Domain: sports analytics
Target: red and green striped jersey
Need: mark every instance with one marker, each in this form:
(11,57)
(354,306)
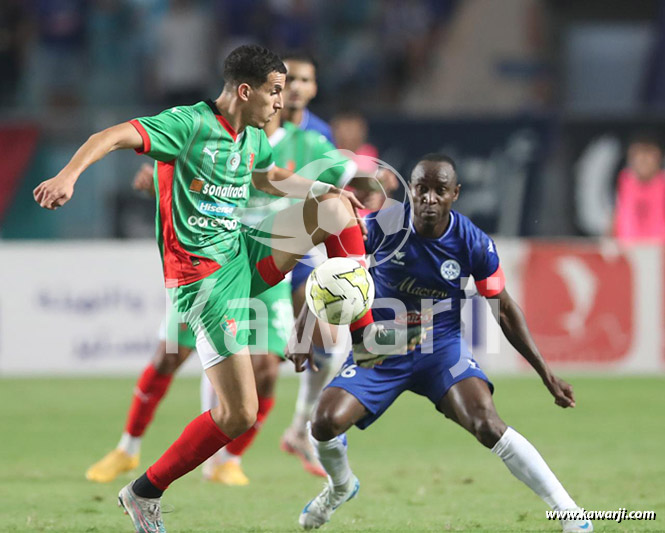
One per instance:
(309,154)
(202,177)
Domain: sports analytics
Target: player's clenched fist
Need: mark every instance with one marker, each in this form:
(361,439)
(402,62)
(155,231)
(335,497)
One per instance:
(562,391)
(53,193)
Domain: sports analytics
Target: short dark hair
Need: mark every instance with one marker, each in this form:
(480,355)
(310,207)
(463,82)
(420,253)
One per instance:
(300,55)
(438,157)
(251,63)
(646,136)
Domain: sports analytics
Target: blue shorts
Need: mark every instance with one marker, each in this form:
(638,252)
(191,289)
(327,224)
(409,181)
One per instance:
(300,273)
(429,375)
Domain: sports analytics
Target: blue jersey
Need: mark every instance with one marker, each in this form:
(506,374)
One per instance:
(431,269)
(311,122)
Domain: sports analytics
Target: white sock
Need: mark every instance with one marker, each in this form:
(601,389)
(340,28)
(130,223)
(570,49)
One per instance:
(527,465)
(333,458)
(224,456)
(312,383)
(130,445)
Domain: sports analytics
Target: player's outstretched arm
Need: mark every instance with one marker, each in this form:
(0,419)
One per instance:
(514,327)
(57,191)
(281,182)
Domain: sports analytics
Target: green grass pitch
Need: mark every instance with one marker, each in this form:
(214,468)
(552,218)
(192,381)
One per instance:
(418,471)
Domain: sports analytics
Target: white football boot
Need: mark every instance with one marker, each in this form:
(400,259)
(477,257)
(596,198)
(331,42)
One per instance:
(146,513)
(576,525)
(319,510)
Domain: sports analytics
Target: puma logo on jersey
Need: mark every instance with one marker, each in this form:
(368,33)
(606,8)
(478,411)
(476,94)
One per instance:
(212,155)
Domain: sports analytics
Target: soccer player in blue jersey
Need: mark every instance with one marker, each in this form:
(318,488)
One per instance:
(301,81)
(442,248)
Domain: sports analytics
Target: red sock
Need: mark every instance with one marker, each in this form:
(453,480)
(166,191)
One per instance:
(149,391)
(363,321)
(241,443)
(350,243)
(200,440)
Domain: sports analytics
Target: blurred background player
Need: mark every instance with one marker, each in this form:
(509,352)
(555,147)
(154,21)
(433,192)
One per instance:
(293,149)
(351,133)
(443,249)
(350,130)
(640,201)
(301,80)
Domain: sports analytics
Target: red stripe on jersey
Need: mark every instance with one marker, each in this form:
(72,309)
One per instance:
(492,285)
(268,270)
(144,135)
(225,124)
(177,261)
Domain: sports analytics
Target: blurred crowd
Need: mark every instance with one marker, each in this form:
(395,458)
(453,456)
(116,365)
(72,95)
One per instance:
(523,93)
(116,52)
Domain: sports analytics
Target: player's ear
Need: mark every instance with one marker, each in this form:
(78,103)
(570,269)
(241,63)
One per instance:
(457,189)
(243,91)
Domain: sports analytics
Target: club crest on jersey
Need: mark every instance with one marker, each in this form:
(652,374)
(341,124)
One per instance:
(450,269)
(233,162)
(229,326)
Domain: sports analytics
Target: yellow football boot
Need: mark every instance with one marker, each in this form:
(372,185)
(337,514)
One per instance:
(111,466)
(229,473)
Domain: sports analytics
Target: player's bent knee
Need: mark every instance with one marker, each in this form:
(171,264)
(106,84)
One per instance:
(334,213)
(234,420)
(344,201)
(239,421)
(327,423)
(488,429)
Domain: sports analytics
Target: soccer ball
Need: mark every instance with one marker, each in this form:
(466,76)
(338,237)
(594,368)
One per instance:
(339,291)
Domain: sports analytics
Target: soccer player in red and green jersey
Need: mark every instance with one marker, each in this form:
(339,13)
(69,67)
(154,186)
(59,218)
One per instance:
(293,149)
(206,156)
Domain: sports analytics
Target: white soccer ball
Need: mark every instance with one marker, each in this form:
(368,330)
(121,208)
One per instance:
(339,291)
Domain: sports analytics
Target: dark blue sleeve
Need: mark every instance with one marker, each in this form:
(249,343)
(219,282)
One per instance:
(327,133)
(374,234)
(484,257)
(318,124)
